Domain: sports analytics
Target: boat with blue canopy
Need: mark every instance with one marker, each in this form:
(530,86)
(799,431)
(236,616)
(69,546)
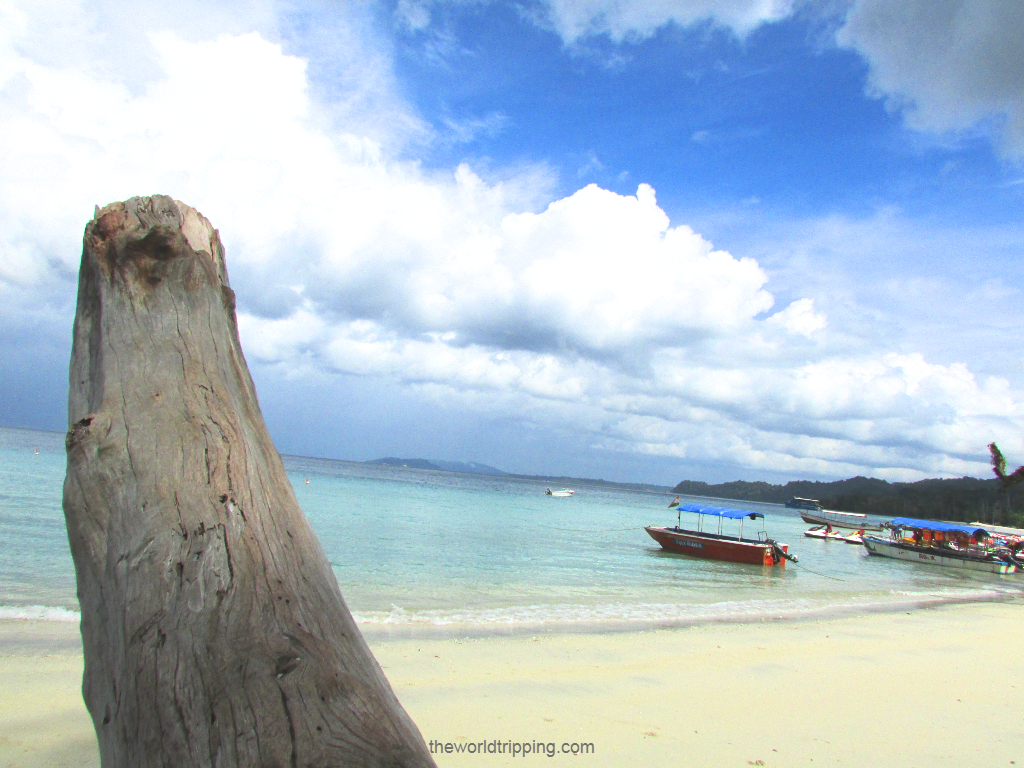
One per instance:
(953,545)
(935,525)
(716,544)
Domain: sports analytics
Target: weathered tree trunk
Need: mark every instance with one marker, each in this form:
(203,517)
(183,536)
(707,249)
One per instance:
(213,628)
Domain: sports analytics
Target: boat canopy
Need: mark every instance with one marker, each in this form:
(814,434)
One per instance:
(734,514)
(931,525)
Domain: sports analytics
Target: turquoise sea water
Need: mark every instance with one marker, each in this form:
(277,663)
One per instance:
(416,551)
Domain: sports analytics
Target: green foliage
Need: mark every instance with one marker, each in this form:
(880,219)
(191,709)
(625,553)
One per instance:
(965,499)
(999,468)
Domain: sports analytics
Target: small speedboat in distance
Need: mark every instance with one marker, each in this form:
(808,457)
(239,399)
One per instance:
(718,546)
(948,544)
(560,494)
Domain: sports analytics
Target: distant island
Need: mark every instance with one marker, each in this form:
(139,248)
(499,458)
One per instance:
(475,468)
(964,499)
(467,467)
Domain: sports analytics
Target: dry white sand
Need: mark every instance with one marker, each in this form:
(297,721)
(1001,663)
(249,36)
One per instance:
(937,687)
(43,721)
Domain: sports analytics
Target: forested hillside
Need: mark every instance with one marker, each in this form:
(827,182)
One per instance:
(964,499)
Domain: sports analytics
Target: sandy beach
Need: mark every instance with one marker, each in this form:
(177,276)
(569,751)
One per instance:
(935,687)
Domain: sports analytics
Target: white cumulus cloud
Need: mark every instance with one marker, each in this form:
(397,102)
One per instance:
(592,313)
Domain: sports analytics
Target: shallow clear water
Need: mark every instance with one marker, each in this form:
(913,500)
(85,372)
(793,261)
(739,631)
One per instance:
(414,549)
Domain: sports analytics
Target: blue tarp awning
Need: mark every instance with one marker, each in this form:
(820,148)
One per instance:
(704,509)
(931,525)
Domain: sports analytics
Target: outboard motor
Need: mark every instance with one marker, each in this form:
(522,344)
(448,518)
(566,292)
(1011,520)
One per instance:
(779,553)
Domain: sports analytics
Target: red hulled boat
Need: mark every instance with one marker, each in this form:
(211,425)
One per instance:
(719,546)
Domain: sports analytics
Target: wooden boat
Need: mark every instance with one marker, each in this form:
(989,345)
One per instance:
(719,546)
(560,494)
(947,544)
(852,520)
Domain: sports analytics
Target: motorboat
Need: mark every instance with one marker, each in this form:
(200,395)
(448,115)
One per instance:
(711,545)
(561,494)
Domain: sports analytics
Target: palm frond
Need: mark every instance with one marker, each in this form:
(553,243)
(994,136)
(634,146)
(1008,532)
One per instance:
(999,468)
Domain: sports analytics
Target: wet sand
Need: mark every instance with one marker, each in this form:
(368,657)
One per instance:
(935,687)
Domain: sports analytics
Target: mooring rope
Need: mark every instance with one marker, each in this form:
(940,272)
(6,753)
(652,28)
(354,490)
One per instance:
(824,575)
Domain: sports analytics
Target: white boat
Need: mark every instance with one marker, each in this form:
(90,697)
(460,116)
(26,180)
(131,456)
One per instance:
(853,520)
(562,493)
(945,544)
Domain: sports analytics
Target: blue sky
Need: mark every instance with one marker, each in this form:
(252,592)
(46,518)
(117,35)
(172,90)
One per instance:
(649,240)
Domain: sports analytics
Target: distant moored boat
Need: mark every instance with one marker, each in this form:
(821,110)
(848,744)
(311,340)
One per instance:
(852,520)
(797,503)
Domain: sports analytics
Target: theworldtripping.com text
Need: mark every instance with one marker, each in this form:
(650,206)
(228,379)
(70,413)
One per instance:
(508,747)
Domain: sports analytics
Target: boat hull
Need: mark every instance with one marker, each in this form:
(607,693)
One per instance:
(707,547)
(930,556)
(822,518)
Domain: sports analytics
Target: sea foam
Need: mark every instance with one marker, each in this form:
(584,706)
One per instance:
(39,613)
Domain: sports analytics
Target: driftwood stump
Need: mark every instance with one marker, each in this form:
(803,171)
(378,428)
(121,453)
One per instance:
(213,628)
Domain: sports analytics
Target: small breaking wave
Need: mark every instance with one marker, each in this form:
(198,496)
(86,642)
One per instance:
(39,613)
(640,615)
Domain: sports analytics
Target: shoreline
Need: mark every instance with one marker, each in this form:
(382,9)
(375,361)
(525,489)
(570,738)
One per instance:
(398,631)
(514,621)
(918,687)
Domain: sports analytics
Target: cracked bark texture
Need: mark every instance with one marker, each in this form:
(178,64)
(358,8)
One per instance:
(213,628)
